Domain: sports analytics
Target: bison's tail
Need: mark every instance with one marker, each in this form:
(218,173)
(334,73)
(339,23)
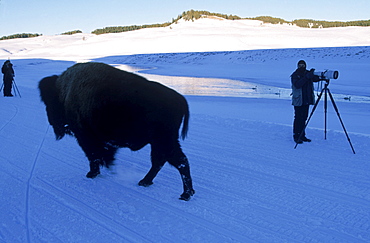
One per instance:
(185,125)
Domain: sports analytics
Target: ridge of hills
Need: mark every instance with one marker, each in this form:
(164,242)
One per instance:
(192,15)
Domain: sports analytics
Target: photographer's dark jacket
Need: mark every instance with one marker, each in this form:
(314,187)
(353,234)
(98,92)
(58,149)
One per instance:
(302,87)
(7,70)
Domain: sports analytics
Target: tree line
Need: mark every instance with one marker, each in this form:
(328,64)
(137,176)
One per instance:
(328,24)
(119,29)
(72,32)
(192,15)
(23,35)
(30,35)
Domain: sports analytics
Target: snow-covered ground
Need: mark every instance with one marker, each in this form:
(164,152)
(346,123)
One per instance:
(251,184)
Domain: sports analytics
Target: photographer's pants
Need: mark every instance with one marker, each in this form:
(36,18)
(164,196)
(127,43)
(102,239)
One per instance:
(8,87)
(300,117)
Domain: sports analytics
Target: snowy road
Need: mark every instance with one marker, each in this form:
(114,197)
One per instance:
(251,185)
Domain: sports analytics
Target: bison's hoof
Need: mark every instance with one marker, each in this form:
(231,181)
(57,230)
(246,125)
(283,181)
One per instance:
(187,195)
(145,183)
(92,174)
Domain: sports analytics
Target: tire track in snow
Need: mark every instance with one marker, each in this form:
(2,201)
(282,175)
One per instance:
(27,220)
(257,229)
(223,232)
(260,172)
(206,221)
(216,229)
(261,228)
(312,217)
(278,187)
(85,209)
(317,203)
(128,235)
(286,182)
(325,204)
(14,115)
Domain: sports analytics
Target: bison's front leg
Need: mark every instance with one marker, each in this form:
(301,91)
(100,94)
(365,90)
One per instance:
(97,153)
(94,168)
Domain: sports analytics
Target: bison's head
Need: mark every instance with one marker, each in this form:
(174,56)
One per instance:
(54,107)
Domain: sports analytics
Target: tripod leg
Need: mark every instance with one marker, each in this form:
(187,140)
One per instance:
(309,118)
(2,86)
(16,89)
(341,122)
(325,111)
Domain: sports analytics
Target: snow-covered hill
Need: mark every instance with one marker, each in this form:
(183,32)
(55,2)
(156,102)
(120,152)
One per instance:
(251,184)
(186,36)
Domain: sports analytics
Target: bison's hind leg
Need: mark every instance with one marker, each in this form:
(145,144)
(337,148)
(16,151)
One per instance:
(182,165)
(171,152)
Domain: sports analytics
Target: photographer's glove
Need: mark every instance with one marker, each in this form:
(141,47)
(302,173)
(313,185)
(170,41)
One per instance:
(310,74)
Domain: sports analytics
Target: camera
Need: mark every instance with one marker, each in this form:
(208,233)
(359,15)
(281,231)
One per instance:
(327,74)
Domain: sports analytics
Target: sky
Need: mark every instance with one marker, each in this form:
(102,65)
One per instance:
(55,17)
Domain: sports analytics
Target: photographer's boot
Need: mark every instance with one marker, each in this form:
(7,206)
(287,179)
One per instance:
(297,139)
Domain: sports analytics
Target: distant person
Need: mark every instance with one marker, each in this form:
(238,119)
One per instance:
(303,97)
(8,78)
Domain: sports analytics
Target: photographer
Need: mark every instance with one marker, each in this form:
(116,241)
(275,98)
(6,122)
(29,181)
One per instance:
(8,78)
(303,96)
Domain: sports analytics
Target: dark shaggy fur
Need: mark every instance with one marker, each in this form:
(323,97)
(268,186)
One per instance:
(106,108)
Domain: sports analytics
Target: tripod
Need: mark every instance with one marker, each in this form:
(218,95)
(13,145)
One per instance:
(15,87)
(326,91)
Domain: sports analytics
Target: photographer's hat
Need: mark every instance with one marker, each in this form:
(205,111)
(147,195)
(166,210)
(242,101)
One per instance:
(302,62)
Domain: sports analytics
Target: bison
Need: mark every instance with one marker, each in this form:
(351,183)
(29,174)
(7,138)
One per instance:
(105,109)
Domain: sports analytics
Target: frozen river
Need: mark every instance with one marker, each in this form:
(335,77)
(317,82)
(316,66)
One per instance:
(229,87)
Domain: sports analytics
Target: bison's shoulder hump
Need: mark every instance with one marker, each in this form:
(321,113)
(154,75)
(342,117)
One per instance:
(96,72)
